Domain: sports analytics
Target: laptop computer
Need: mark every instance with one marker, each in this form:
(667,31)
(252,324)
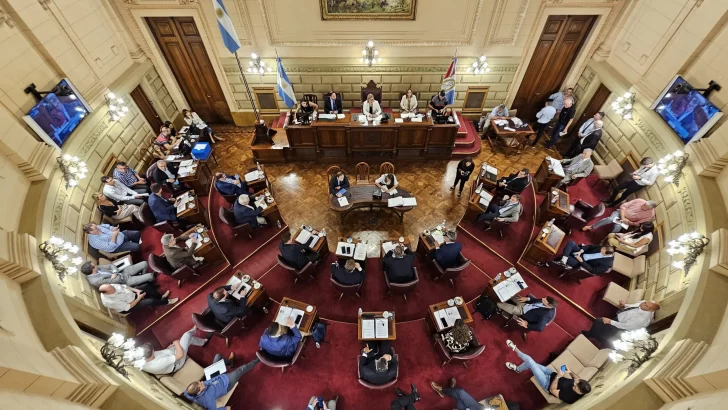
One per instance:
(215,369)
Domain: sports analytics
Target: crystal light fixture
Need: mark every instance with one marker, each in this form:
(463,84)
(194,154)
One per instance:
(634,342)
(671,166)
(118,107)
(118,353)
(479,66)
(256,65)
(691,245)
(63,255)
(623,105)
(73,169)
(370,54)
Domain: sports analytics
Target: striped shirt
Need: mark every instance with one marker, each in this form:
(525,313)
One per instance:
(102,241)
(127,178)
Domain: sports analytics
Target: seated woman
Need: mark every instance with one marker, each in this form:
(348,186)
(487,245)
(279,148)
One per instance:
(191,118)
(408,105)
(371,107)
(635,242)
(387,182)
(458,338)
(305,110)
(338,182)
(113,210)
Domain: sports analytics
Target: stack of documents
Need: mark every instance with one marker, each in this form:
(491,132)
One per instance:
(509,287)
(360,253)
(450,315)
(398,120)
(189,244)
(345,249)
(437,236)
(261,204)
(187,163)
(388,246)
(285,312)
(252,176)
(173,157)
(340,116)
(374,328)
(399,201)
(343,201)
(416,119)
(556,167)
(303,236)
(485,198)
(327,116)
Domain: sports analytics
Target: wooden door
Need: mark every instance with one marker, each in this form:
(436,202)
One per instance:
(147,109)
(593,106)
(557,48)
(182,47)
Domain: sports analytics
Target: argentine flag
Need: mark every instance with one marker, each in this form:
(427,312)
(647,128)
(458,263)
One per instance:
(229,37)
(285,90)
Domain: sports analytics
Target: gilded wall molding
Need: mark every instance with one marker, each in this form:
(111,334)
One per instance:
(230,69)
(57,216)
(469,41)
(97,132)
(5,19)
(496,20)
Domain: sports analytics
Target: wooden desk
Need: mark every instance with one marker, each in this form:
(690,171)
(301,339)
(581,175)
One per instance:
(497,133)
(489,287)
(257,298)
(474,208)
(544,179)
(206,250)
(308,317)
(193,212)
(546,245)
(271,213)
(431,320)
(321,244)
(199,181)
(553,206)
(424,246)
(392,331)
(395,241)
(495,403)
(360,196)
(262,183)
(488,184)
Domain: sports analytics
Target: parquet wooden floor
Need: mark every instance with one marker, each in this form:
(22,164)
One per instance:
(301,190)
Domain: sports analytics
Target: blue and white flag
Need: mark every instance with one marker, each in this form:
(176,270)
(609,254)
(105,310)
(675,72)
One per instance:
(229,37)
(448,83)
(285,89)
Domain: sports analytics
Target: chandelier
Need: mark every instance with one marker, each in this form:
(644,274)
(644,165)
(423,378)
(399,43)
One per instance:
(117,106)
(691,245)
(370,54)
(256,65)
(118,353)
(634,342)
(479,66)
(671,166)
(62,255)
(73,169)
(624,105)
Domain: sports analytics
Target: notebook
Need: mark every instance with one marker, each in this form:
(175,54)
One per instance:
(215,369)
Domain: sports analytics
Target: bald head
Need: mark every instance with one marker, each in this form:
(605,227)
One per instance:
(650,306)
(243,199)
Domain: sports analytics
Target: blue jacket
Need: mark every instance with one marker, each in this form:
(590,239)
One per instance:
(163,209)
(244,214)
(283,346)
(214,388)
(538,318)
(226,188)
(447,255)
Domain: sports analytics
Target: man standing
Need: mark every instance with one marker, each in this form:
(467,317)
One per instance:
(107,238)
(462,173)
(172,358)
(593,258)
(631,316)
(532,313)
(588,136)
(500,111)
(132,275)
(398,265)
(645,175)
(543,118)
(632,213)
(120,192)
(559,98)
(129,177)
(224,306)
(332,105)
(563,122)
(206,393)
(578,167)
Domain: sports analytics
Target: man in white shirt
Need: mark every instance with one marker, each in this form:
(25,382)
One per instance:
(631,316)
(543,118)
(645,175)
(171,359)
(500,111)
(122,298)
(121,193)
(387,183)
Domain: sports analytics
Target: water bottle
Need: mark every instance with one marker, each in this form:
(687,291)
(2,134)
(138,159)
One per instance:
(258,165)
(323,232)
(479,188)
(555,198)
(360,311)
(443,225)
(279,224)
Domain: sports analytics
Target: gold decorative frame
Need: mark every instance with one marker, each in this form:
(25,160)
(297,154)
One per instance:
(326,15)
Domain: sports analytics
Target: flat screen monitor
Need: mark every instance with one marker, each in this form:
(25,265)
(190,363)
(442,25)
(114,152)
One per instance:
(685,110)
(58,114)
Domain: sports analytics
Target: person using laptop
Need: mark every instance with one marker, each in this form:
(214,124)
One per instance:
(172,358)
(206,393)
(224,306)
(281,340)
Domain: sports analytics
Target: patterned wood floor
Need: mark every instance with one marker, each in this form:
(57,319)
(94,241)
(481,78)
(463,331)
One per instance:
(301,190)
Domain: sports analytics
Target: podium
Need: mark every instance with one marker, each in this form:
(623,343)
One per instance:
(474,208)
(544,179)
(553,206)
(546,245)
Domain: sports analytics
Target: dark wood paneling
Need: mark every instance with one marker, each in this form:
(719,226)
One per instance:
(372,139)
(184,51)
(146,107)
(332,137)
(301,136)
(412,137)
(442,136)
(557,48)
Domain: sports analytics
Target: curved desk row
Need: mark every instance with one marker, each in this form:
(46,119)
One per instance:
(360,196)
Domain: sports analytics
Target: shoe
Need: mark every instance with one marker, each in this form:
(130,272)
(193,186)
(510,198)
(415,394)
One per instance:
(511,345)
(512,367)
(172,301)
(399,392)
(452,382)
(415,392)
(460,194)
(452,188)
(543,264)
(437,388)
(165,295)
(230,360)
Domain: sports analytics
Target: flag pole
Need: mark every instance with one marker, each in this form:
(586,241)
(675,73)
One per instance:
(247,88)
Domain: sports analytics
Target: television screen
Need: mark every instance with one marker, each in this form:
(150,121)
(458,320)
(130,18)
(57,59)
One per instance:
(58,113)
(685,110)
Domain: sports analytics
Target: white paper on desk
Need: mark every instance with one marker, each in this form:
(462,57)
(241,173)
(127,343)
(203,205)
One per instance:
(234,281)
(241,290)
(382,328)
(303,236)
(360,252)
(393,191)
(392,202)
(181,207)
(485,198)
(508,129)
(409,201)
(252,176)
(453,314)
(416,119)
(261,204)
(327,116)
(509,287)
(187,163)
(172,157)
(343,201)
(341,246)
(398,120)
(340,116)
(556,167)
(189,244)
(491,170)
(367,329)
(285,312)
(407,115)
(388,246)
(314,241)
(438,237)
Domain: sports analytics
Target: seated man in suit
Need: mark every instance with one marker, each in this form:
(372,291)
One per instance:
(165,209)
(224,305)
(588,136)
(515,182)
(376,364)
(166,176)
(132,275)
(295,254)
(230,185)
(630,317)
(278,342)
(398,264)
(337,183)
(578,167)
(107,238)
(177,256)
(506,210)
(446,254)
(332,104)
(595,259)
(531,313)
(172,358)
(349,274)
(246,214)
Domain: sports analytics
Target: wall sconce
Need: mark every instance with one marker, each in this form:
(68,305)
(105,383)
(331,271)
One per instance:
(480,66)
(671,166)
(61,254)
(633,342)
(73,169)
(117,106)
(691,245)
(118,353)
(624,105)
(256,65)
(370,54)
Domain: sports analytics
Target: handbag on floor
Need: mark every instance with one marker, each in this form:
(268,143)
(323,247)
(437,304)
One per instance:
(486,307)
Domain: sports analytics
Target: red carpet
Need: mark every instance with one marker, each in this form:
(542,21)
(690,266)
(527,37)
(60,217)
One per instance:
(468,140)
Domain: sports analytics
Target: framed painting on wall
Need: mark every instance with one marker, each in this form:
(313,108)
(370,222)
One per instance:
(368,9)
